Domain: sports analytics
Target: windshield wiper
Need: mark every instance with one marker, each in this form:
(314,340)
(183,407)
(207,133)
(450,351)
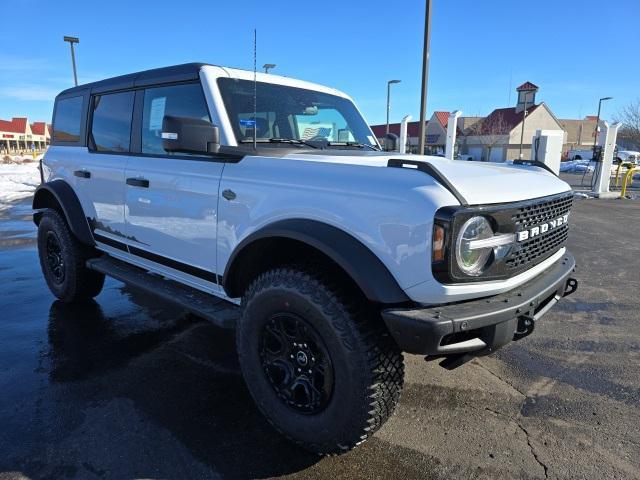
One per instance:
(352,144)
(292,141)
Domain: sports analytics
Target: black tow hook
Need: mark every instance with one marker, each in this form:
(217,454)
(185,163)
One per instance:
(526,325)
(570,287)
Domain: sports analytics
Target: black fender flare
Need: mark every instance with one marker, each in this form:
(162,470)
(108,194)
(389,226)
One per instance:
(357,260)
(71,207)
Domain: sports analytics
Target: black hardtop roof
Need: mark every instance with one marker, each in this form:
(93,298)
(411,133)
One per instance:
(174,73)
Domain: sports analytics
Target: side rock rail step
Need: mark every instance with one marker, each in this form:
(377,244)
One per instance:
(220,312)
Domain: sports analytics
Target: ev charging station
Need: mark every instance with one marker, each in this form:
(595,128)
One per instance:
(452,129)
(602,174)
(546,147)
(402,147)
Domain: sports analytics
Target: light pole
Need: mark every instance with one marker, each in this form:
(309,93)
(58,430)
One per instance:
(389,83)
(524,117)
(595,135)
(267,66)
(71,41)
(425,75)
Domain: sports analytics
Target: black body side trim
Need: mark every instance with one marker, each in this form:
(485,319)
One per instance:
(432,171)
(70,205)
(360,263)
(154,257)
(111,242)
(176,265)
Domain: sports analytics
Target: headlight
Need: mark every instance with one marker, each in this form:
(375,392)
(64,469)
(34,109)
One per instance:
(471,256)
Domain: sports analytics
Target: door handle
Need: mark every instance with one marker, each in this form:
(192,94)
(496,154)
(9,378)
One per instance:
(138,182)
(229,194)
(82,174)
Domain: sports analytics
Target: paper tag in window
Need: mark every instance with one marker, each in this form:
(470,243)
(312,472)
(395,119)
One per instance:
(169,135)
(157,113)
(372,140)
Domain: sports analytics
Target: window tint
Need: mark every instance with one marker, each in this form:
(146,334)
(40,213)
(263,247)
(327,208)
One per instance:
(178,100)
(111,125)
(66,124)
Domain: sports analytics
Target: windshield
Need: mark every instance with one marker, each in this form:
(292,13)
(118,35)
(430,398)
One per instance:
(304,116)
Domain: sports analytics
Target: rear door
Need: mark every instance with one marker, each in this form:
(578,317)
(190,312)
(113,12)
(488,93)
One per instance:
(172,199)
(100,173)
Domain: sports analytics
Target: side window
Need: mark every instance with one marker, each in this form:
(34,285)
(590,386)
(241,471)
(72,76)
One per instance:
(178,100)
(111,124)
(66,124)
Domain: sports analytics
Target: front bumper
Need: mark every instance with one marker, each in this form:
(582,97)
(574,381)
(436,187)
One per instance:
(479,327)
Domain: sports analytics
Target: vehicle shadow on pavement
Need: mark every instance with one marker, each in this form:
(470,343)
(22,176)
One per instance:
(181,377)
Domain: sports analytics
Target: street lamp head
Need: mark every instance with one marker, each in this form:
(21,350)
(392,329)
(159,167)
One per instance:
(606,98)
(267,66)
(394,81)
(72,39)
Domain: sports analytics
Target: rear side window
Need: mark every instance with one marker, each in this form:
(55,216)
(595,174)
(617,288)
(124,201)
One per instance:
(111,122)
(66,123)
(179,100)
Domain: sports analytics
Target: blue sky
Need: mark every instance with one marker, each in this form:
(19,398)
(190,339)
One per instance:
(575,50)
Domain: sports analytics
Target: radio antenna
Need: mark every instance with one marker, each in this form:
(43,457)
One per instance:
(255,88)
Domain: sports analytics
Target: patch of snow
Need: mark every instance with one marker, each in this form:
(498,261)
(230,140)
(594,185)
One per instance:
(17,181)
(577,166)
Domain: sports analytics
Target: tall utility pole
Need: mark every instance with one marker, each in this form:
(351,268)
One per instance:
(524,117)
(389,83)
(71,41)
(425,75)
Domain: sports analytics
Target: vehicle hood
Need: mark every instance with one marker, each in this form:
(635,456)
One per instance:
(477,182)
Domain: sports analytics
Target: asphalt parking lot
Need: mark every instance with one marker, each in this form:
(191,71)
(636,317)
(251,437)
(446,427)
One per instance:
(129,387)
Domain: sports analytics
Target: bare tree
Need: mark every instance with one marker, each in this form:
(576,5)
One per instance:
(629,116)
(489,132)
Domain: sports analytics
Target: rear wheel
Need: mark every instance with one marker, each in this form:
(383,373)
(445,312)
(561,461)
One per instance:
(322,370)
(63,258)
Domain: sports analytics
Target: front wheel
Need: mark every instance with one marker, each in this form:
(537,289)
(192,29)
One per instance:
(321,368)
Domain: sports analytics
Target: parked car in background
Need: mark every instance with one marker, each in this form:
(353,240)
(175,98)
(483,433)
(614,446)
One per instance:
(627,156)
(464,156)
(580,154)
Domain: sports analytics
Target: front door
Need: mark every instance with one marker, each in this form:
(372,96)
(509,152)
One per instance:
(172,199)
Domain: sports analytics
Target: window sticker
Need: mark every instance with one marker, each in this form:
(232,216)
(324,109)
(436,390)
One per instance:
(245,122)
(372,140)
(157,113)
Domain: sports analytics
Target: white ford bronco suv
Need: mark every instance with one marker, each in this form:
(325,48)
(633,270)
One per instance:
(266,205)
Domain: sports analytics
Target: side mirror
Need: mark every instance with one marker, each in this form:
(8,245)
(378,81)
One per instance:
(391,142)
(189,135)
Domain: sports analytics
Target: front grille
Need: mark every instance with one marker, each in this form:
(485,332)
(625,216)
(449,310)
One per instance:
(537,248)
(537,213)
(533,251)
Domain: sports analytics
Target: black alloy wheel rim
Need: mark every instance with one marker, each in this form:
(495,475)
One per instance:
(55,262)
(296,363)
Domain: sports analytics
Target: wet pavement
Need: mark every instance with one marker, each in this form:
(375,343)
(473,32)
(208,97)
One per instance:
(130,387)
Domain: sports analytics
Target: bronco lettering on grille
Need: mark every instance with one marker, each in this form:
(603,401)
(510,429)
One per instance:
(543,228)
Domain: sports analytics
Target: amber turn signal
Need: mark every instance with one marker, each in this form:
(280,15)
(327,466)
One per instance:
(438,243)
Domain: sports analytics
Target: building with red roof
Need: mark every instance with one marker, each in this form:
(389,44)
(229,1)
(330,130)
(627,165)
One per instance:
(497,137)
(19,136)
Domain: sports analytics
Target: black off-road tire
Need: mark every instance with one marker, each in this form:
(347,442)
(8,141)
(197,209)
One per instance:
(368,368)
(65,272)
